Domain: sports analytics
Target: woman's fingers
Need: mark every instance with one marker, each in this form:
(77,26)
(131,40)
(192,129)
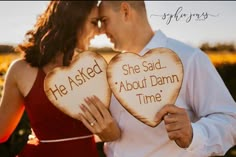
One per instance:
(103,125)
(87,115)
(94,111)
(86,123)
(100,106)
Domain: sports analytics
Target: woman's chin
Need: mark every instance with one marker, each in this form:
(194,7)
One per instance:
(84,48)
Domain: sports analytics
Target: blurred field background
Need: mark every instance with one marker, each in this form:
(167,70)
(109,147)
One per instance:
(223,56)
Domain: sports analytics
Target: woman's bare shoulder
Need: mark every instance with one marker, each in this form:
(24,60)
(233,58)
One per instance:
(23,74)
(20,65)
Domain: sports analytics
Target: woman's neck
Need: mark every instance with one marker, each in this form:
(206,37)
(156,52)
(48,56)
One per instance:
(56,62)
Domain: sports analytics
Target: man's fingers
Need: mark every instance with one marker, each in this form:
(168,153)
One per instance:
(170,118)
(180,138)
(174,135)
(167,110)
(173,127)
(162,112)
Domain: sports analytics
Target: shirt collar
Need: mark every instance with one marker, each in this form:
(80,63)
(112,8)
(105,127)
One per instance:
(158,40)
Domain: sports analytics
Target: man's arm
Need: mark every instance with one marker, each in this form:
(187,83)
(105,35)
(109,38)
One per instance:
(214,132)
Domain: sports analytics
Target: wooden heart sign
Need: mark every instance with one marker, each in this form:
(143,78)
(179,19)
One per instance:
(144,84)
(67,87)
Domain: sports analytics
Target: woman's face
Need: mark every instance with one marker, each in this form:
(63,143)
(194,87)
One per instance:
(90,30)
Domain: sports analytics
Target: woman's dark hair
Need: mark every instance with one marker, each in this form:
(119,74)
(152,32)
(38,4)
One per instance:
(56,32)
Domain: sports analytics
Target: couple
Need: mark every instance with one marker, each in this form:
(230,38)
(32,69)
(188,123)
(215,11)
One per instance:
(201,123)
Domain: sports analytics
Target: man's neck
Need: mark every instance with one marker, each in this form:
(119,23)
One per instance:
(141,39)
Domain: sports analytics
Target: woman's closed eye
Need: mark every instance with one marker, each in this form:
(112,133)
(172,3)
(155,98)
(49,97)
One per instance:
(95,23)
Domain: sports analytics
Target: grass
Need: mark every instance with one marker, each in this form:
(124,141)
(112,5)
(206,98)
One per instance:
(5,61)
(223,57)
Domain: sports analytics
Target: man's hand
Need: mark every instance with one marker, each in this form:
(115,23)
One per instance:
(177,123)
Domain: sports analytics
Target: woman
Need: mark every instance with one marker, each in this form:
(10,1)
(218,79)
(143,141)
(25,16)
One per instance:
(63,27)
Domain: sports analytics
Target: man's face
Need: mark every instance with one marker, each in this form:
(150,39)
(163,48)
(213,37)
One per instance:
(113,25)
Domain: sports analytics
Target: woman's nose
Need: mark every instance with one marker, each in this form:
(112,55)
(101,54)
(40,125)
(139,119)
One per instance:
(101,28)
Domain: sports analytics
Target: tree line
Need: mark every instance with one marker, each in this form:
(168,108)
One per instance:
(229,47)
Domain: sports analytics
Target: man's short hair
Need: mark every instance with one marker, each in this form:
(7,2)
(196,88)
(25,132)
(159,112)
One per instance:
(139,6)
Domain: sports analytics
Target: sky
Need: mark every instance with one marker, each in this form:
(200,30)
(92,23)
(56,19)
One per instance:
(193,22)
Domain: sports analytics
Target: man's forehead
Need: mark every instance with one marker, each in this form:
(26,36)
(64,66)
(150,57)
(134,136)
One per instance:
(104,4)
(104,9)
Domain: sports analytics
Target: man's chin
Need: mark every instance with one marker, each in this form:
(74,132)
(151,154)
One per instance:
(116,48)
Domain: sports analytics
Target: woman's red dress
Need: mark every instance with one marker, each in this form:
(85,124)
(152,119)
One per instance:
(49,123)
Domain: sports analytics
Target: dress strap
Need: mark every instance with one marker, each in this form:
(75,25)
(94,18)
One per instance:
(41,71)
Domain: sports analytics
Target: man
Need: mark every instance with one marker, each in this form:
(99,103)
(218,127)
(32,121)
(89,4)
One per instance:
(203,119)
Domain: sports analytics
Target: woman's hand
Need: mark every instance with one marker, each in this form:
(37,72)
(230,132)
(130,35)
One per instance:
(98,120)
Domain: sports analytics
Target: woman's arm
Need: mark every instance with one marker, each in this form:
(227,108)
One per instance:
(11,104)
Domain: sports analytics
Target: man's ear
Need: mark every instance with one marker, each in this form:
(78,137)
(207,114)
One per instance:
(125,10)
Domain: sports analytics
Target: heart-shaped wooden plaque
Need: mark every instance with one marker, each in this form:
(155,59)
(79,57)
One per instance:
(144,84)
(67,87)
